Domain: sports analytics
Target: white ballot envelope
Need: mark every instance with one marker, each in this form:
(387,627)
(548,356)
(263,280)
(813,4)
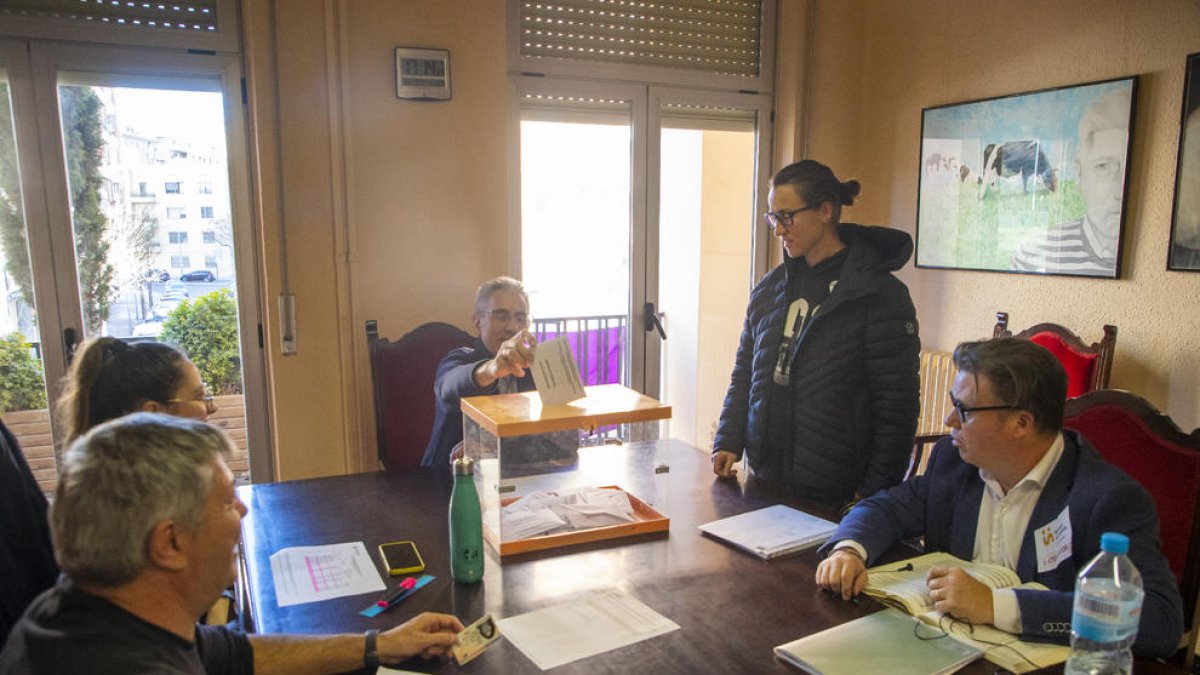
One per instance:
(555,372)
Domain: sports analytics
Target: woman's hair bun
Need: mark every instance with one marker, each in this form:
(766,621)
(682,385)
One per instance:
(850,190)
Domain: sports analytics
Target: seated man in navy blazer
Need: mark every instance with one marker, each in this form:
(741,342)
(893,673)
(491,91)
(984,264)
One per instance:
(1006,478)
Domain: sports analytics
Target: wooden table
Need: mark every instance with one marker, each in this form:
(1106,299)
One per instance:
(732,607)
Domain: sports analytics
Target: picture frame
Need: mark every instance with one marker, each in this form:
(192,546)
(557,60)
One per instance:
(1029,183)
(1183,252)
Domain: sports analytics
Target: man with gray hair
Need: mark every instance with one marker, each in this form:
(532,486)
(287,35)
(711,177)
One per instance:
(498,362)
(1089,246)
(145,524)
(1011,487)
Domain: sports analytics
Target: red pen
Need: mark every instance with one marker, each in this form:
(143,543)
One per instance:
(405,586)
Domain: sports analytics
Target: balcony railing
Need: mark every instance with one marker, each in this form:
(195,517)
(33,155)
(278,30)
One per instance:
(598,343)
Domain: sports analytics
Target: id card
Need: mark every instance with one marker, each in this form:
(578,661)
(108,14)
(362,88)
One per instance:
(474,639)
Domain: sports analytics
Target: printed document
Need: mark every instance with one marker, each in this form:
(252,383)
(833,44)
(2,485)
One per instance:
(555,372)
(771,532)
(311,573)
(591,624)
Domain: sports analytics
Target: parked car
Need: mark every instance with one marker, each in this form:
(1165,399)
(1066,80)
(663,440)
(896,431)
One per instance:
(150,329)
(162,308)
(177,296)
(198,275)
(161,275)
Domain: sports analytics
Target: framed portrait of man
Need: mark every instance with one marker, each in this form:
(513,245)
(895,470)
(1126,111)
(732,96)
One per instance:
(1184,251)
(1031,183)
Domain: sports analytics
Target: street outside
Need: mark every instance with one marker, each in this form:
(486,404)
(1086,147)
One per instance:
(135,307)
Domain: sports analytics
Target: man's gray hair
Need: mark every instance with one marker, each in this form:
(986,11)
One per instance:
(1110,111)
(121,479)
(487,288)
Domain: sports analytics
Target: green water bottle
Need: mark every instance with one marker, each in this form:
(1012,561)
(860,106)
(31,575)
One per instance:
(466,525)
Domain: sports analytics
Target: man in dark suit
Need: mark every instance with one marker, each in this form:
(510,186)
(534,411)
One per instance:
(26,557)
(1010,487)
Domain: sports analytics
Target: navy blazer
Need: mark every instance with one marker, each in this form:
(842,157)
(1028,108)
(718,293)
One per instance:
(943,506)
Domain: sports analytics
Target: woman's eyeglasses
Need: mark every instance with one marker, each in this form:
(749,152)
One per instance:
(210,406)
(784,218)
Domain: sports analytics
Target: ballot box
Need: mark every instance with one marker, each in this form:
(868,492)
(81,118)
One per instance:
(559,475)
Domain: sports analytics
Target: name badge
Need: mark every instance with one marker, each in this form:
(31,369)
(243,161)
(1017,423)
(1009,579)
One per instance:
(1053,541)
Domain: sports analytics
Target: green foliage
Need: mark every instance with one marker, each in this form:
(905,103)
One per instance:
(22,384)
(84,141)
(12,219)
(206,329)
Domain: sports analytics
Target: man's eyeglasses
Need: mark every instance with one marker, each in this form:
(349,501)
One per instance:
(504,316)
(963,410)
(210,406)
(784,218)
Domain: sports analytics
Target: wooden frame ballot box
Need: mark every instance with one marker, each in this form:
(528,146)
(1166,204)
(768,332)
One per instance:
(613,439)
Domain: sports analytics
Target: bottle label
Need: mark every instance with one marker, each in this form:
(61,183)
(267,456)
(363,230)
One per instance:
(1103,620)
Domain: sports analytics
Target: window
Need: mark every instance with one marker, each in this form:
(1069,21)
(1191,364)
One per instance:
(206,212)
(210,261)
(181,261)
(176,213)
(173,188)
(205,187)
(177,237)
(210,237)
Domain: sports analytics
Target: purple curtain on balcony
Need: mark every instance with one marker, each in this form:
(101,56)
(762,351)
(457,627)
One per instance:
(598,350)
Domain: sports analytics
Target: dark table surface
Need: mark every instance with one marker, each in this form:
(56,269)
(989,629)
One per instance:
(732,608)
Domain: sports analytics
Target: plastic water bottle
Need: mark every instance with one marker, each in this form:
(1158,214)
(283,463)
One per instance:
(1108,605)
(466,525)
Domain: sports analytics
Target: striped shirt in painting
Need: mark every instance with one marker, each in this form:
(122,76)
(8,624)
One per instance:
(1062,250)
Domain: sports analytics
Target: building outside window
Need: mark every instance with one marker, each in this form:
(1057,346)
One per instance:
(206,212)
(173,188)
(210,261)
(181,261)
(176,213)
(205,187)
(210,237)
(177,237)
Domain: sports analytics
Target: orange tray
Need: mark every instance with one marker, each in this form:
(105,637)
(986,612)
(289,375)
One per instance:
(648,520)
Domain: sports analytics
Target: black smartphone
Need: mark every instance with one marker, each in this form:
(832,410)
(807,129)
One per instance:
(401,557)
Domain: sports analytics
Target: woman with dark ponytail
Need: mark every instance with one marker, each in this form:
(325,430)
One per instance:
(824,393)
(109,378)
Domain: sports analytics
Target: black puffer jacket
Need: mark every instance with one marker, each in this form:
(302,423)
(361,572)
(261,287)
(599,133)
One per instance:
(854,376)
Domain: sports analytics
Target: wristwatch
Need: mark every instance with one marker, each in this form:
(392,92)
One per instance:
(370,653)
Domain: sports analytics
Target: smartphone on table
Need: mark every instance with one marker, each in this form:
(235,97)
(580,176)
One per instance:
(401,557)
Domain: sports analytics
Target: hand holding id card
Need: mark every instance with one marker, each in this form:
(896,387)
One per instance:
(474,639)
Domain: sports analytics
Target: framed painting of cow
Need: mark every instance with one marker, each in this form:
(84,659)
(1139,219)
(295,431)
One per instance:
(1185,221)
(1030,183)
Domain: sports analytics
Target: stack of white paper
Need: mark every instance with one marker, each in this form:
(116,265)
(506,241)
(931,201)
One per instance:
(773,531)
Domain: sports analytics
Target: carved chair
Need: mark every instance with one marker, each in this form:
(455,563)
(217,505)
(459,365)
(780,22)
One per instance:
(1131,433)
(1088,366)
(403,373)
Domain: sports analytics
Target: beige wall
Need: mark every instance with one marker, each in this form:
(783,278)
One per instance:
(393,210)
(877,63)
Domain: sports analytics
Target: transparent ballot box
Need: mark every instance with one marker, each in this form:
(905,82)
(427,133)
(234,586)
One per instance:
(557,475)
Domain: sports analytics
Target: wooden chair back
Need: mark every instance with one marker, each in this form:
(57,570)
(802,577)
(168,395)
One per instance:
(403,373)
(1131,433)
(1088,366)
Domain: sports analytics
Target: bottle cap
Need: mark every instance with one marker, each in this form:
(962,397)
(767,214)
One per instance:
(463,466)
(1114,542)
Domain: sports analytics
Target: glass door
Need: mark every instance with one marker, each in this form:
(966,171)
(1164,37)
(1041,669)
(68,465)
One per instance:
(638,232)
(579,226)
(142,195)
(713,158)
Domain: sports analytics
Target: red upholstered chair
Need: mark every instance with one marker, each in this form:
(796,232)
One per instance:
(1129,432)
(403,374)
(1088,366)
